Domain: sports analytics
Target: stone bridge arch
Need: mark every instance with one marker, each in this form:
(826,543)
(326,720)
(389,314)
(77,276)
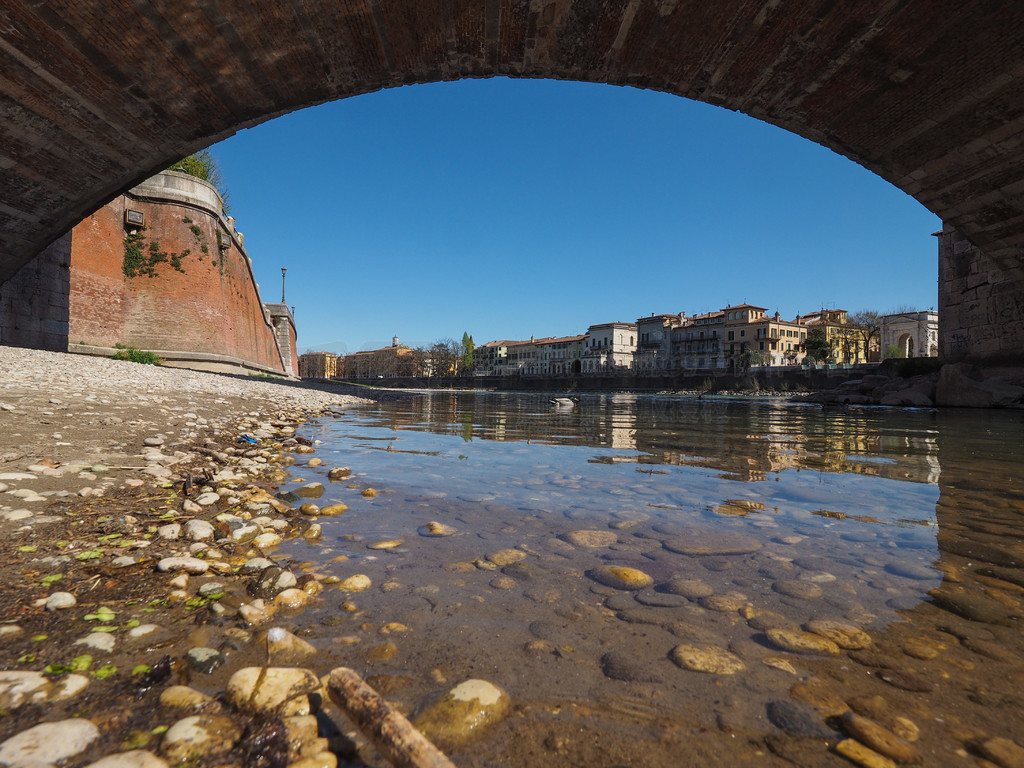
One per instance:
(97,96)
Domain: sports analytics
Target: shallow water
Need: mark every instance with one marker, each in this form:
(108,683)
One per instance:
(745,515)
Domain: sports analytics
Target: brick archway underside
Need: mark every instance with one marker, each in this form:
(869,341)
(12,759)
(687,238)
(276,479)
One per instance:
(96,96)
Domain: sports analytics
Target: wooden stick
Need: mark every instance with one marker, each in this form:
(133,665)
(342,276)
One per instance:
(392,735)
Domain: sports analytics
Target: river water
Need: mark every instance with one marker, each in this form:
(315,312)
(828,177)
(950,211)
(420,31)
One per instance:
(897,533)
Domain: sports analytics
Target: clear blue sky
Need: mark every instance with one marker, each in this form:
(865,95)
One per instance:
(518,208)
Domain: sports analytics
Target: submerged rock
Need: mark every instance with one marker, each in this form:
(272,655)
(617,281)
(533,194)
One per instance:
(464,711)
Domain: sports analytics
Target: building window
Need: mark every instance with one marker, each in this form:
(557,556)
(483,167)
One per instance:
(732,335)
(760,345)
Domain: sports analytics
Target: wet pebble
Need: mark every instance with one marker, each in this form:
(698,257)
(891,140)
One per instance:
(796,720)
(284,648)
(589,539)
(184,698)
(627,667)
(272,690)
(357,583)
(22,687)
(620,577)
(135,758)
(798,641)
(435,528)
(841,633)
(802,590)
(206,735)
(506,557)
(694,589)
(204,660)
(874,736)
(657,599)
(707,658)
(332,510)
(1003,752)
(463,712)
(725,603)
(911,570)
(713,544)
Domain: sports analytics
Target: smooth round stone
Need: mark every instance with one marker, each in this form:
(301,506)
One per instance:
(590,539)
(280,691)
(99,641)
(198,530)
(385,545)
(309,490)
(20,687)
(707,658)
(136,758)
(463,712)
(881,740)
(802,590)
(68,687)
(660,599)
(693,589)
(798,641)
(841,633)
(434,528)
(284,648)
(626,667)
(713,544)
(332,510)
(314,462)
(310,509)
(199,735)
(291,598)
(505,557)
(817,577)
(185,698)
(272,581)
(206,499)
(339,473)
(796,720)
(727,603)
(912,571)
(191,565)
(49,743)
(620,577)
(267,541)
(357,583)
(60,600)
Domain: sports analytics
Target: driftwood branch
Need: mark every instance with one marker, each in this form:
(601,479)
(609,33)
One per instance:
(392,735)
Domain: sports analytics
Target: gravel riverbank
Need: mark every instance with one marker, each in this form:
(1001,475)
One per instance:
(134,520)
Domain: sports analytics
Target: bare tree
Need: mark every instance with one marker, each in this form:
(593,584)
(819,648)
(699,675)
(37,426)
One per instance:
(865,327)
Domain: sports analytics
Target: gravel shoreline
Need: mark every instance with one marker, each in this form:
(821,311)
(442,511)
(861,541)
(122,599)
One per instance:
(132,511)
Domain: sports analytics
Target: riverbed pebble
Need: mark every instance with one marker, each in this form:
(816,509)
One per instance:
(589,539)
(281,691)
(798,641)
(206,735)
(707,658)
(463,712)
(841,633)
(620,577)
(49,743)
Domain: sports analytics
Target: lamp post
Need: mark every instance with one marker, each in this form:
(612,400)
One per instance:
(283,270)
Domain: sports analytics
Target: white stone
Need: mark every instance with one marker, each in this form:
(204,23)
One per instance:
(206,499)
(59,600)
(17,688)
(187,564)
(69,687)
(49,743)
(282,691)
(198,530)
(136,758)
(16,476)
(98,641)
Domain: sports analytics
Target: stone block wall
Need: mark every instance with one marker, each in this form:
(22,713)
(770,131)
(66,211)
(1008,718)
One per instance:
(198,296)
(981,303)
(34,302)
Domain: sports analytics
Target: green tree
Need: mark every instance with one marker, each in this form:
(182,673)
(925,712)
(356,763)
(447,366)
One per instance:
(203,165)
(749,358)
(894,351)
(467,353)
(817,346)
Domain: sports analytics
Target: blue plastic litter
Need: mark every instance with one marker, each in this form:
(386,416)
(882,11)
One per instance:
(247,439)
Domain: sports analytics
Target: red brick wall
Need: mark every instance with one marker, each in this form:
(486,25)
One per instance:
(210,306)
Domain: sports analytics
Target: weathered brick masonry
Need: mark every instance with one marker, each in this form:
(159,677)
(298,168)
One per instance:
(209,304)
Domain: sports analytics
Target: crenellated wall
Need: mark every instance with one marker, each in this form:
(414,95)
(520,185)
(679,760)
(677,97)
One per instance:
(181,286)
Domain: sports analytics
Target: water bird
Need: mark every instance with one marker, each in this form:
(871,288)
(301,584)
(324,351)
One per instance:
(564,402)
